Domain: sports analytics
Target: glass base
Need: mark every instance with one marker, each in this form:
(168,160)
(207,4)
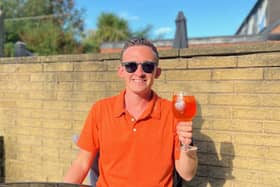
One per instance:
(187,148)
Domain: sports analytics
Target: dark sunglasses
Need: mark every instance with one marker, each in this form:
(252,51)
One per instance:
(147,67)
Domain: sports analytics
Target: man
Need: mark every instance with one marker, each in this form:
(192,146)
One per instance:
(135,132)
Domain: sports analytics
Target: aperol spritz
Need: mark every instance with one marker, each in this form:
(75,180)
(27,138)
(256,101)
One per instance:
(184,109)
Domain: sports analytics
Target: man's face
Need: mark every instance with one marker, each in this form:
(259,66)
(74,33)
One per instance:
(139,82)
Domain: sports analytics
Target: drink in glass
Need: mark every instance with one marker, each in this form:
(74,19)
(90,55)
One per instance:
(184,109)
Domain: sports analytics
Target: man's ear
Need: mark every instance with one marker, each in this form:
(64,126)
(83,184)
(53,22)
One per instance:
(120,71)
(158,72)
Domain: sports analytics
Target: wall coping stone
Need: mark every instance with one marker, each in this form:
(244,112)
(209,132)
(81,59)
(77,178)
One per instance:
(209,50)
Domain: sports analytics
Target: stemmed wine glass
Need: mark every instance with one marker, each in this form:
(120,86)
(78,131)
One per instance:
(184,109)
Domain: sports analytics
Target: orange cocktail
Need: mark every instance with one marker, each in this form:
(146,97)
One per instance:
(184,106)
(184,109)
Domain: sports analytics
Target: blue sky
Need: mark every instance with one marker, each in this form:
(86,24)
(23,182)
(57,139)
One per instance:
(204,17)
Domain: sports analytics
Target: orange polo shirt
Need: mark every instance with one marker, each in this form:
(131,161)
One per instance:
(133,153)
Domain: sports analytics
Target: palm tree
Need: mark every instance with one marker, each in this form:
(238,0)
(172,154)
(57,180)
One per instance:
(111,28)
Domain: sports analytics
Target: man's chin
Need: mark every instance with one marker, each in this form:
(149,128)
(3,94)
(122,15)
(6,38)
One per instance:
(143,93)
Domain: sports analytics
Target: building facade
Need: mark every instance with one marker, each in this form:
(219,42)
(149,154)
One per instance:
(264,17)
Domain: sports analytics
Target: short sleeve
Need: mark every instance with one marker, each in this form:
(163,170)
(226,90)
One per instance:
(89,135)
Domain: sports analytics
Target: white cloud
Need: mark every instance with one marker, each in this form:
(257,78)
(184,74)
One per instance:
(163,31)
(125,16)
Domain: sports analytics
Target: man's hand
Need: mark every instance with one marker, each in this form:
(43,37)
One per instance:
(186,165)
(184,132)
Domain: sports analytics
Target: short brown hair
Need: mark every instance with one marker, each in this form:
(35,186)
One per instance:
(138,42)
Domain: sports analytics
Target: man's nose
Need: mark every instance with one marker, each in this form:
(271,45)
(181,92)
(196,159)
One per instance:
(139,70)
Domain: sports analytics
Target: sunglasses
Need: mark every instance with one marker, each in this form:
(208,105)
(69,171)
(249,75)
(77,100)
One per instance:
(147,67)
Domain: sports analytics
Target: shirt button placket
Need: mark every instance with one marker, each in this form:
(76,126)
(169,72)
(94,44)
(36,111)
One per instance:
(133,121)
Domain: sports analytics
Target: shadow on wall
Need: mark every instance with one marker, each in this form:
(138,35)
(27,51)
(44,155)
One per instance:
(2,160)
(212,170)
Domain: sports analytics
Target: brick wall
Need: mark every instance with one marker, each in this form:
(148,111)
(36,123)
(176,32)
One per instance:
(44,101)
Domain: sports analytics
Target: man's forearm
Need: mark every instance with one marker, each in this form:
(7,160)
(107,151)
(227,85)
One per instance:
(75,174)
(80,167)
(187,164)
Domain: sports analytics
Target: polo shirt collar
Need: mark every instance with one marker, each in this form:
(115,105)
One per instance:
(119,105)
(153,108)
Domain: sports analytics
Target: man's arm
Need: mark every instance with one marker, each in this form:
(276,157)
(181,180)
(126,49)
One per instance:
(80,167)
(186,166)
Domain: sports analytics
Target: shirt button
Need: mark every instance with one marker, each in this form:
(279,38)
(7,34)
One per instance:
(134,129)
(132,119)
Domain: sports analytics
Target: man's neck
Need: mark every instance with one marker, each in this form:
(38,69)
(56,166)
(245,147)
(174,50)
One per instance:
(136,104)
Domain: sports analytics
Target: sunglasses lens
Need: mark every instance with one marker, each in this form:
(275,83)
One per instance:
(148,67)
(131,67)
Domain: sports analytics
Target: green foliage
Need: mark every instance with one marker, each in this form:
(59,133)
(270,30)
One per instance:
(110,28)
(56,27)
(46,26)
(9,49)
(90,42)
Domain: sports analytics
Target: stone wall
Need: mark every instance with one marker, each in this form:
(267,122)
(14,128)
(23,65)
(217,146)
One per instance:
(44,102)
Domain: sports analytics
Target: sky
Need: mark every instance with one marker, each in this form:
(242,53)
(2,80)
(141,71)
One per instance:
(204,17)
